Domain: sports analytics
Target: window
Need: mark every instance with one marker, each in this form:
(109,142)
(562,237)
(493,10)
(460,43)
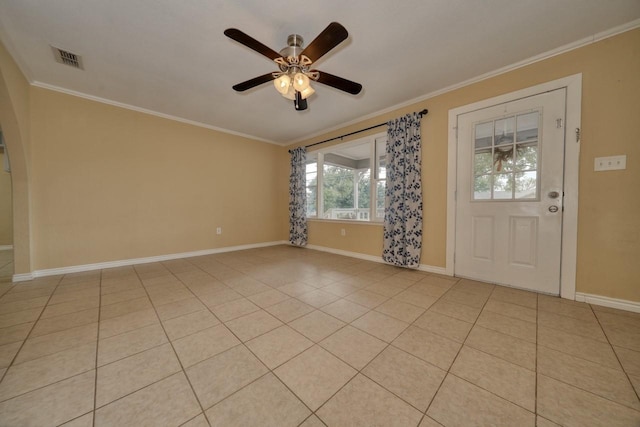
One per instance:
(312,184)
(340,184)
(505,164)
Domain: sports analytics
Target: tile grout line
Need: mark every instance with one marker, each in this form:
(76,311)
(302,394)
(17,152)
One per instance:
(372,309)
(248,272)
(95,384)
(590,361)
(482,388)
(35,322)
(615,353)
(592,393)
(272,371)
(360,371)
(269,370)
(535,379)
(175,353)
(13,285)
(448,371)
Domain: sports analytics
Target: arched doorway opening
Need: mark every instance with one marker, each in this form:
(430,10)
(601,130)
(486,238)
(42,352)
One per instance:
(6,215)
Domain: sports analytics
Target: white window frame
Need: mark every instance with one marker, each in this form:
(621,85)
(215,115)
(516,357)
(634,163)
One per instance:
(373,176)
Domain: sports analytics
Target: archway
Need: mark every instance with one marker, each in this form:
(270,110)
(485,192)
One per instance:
(14,122)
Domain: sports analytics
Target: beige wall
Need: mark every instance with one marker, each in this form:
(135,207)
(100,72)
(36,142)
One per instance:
(6,214)
(14,121)
(95,183)
(609,207)
(112,184)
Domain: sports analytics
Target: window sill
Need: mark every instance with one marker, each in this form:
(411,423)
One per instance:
(346,221)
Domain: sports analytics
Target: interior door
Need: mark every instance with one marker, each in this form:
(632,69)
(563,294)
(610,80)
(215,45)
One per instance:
(509,193)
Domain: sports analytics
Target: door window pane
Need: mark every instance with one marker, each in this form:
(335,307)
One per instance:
(482,162)
(502,186)
(482,187)
(526,185)
(504,130)
(527,156)
(483,134)
(528,126)
(505,158)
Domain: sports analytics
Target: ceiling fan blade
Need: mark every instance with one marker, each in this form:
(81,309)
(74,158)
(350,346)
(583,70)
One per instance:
(329,38)
(251,43)
(256,81)
(339,83)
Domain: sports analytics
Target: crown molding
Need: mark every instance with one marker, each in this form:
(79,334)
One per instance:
(147,111)
(545,55)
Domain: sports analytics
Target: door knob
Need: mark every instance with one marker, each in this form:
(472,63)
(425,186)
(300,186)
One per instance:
(553,209)
(554,194)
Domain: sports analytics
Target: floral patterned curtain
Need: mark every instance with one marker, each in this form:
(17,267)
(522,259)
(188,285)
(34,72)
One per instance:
(298,198)
(403,197)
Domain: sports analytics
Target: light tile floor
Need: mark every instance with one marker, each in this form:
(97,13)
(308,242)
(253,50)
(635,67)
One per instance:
(286,337)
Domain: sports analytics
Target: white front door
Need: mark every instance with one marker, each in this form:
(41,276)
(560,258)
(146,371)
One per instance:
(510,160)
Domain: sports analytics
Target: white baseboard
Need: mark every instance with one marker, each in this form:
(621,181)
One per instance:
(6,247)
(23,277)
(620,304)
(423,267)
(121,263)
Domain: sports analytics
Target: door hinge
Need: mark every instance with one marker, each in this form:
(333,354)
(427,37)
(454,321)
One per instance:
(559,123)
(577,134)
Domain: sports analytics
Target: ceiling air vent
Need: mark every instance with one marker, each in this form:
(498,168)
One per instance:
(68,58)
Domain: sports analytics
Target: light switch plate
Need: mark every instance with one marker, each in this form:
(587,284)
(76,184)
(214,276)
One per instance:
(610,163)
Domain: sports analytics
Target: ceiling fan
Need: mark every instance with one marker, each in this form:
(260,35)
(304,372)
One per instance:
(294,62)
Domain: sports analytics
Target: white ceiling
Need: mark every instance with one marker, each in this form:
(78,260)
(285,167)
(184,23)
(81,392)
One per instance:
(171,56)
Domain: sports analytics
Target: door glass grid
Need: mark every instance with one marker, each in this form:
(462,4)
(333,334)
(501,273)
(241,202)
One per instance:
(505,162)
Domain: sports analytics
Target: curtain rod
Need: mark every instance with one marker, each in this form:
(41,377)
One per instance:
(422,114)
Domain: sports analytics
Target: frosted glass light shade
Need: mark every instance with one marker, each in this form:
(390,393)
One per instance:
(290,94)
(282,84)
(300,82)
(307,92)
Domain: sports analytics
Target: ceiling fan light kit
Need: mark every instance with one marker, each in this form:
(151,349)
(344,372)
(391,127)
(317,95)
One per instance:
(293,81)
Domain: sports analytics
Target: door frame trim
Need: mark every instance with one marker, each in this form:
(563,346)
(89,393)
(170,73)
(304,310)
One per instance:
(573,85)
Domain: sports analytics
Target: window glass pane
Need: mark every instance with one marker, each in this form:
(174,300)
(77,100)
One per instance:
(528,126)
(484,131)
(482,162)
(527,156)
(504,130)
(503,159)
(502,186)
(364,187)
(337,192)
(312,185)
(482,187)
(346,182)
(380,189)
(526,185)
(381,157)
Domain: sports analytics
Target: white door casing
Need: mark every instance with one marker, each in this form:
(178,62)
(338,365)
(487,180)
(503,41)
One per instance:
(568,251)
(509,193)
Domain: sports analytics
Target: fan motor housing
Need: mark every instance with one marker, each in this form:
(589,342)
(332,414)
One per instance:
(294,47)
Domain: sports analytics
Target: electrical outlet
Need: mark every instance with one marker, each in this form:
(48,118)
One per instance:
(343,232)
(219,230)
(610,163)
